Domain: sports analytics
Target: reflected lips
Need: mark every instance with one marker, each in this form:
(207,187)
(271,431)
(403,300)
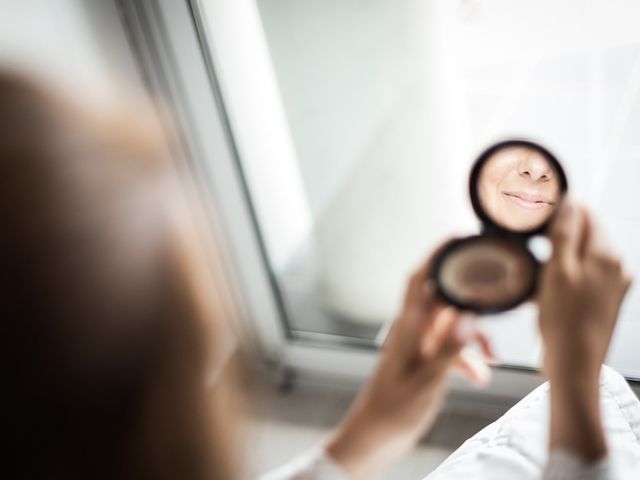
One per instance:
(531,202)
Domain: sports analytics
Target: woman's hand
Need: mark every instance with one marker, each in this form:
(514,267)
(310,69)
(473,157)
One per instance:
(403,397)
(582,288)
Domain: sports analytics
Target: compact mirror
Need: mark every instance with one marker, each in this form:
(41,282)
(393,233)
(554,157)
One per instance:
(516,187)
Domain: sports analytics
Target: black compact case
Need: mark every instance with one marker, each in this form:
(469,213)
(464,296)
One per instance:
(496,271)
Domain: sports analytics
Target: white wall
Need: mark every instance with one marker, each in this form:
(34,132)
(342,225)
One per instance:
(342,66)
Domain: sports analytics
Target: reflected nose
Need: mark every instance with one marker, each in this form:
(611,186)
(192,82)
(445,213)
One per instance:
(536,168)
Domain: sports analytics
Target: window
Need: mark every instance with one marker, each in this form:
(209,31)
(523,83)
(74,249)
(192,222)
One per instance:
(356,123)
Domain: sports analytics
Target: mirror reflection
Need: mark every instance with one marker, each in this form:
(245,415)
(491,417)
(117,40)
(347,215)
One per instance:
(519,188)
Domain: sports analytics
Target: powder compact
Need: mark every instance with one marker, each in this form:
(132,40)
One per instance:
(515,187)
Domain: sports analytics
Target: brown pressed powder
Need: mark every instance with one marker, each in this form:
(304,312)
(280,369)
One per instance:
(487,272)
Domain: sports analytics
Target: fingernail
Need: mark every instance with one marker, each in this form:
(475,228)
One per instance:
(483,374)
(493,362)
(465,328)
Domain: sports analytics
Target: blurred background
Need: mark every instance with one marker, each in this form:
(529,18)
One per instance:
(331,141)
(381,109)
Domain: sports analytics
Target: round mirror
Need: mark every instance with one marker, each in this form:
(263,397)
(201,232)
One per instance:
(517,185)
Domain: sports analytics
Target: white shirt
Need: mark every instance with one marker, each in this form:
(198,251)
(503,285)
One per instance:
(515,445)
(317,465)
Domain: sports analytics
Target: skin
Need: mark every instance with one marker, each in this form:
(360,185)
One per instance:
(583,285)
(518,188)
(582,289)
(404,395)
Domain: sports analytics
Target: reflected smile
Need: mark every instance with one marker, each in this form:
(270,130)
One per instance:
(528,201)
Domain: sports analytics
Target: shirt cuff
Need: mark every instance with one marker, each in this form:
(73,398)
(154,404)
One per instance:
(314,464)
(563,465)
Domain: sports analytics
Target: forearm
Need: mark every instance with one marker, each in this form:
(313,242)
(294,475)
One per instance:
(364,446)
(356,451)
(374,435)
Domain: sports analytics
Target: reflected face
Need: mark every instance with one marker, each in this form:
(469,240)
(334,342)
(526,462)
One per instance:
(519,188)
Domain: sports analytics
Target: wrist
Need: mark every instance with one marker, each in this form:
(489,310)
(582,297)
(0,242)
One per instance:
(363,447)
(571,367)
(576,424)
(351,451)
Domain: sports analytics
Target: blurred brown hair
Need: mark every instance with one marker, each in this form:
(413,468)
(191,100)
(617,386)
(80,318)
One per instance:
(103,340)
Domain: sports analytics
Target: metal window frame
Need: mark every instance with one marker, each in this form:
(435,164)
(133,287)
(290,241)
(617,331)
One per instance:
(176,72)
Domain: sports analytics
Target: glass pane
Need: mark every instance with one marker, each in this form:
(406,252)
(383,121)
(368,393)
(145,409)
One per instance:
(386,104)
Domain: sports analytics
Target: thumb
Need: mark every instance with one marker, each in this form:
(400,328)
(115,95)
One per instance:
(451,331)
(567,233)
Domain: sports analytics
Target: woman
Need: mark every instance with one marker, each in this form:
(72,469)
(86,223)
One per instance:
(103,345)
(106,314)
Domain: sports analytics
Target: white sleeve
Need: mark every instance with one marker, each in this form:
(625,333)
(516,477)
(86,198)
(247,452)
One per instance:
(563,465)
(312,465)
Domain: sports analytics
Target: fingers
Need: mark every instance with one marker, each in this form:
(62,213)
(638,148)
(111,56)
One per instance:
(434,331)
(421,275)
(450,332)
(410,332)
(485,346)
(414,323)
(597,245)
(420,296)
(579,240)
(473,367)
(568,234)
(473,364)
(599,251)
(428,264)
